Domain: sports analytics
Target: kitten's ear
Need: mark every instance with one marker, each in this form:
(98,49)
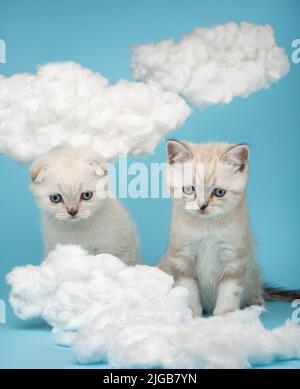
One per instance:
(238,157)
(178,152)
(37,171)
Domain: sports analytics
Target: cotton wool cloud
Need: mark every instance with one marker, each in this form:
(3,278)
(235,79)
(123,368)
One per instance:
(67,104)
(134,316)
(213,65)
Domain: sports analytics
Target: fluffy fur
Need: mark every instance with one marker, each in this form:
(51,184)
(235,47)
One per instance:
(210,244)
(100,224)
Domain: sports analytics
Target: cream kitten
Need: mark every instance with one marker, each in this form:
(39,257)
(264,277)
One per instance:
(64,183)
(210,244)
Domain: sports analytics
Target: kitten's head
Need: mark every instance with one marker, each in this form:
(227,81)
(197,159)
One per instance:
(214,178)
(65,181)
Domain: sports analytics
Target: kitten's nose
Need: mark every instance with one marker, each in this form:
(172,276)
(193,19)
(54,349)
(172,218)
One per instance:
(72,211)
(204,206)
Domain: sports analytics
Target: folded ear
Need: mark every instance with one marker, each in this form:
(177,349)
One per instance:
(37,170)
(178,152)
(237,156)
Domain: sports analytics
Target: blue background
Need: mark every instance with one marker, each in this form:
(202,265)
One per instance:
(98,34)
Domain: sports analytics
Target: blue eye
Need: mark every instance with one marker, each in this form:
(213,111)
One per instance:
(188,190)
(86,195)
(55,198)
(218,192)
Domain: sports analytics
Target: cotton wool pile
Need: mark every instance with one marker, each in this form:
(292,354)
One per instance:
(135,317)
(213,65)
(67,104)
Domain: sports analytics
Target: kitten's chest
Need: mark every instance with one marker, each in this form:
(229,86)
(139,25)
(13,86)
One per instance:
(93,237)
(208,256)
(214,253)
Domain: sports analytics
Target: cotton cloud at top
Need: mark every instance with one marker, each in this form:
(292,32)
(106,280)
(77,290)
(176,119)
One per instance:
(67,104)
(213,65)
(135,317)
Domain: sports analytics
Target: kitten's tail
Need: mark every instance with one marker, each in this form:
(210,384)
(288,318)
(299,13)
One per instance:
(271,293)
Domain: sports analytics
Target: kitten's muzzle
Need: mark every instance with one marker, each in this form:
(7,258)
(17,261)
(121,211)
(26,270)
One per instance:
(72,211)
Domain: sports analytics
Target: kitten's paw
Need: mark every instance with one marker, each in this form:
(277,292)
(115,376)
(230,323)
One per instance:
(222,311)
(196,310)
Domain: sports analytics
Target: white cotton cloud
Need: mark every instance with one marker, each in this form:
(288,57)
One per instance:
(135,317)
(67,104)
(213,65)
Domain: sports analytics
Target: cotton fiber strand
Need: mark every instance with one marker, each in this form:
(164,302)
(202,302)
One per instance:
(67,104)
(213,65)
(135,317)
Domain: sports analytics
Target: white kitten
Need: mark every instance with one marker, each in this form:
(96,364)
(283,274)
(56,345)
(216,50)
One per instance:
(65,183)
(210,245)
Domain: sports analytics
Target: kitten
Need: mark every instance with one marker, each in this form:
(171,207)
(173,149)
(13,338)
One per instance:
(64,184)
(210,248)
